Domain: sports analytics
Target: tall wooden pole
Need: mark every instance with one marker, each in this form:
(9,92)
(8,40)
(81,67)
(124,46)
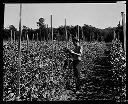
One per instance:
(52,45)
(37,37)
(19,57)
(118,36)
(51,29)
(114,35)
(124,29)
(27,40)
(114,38)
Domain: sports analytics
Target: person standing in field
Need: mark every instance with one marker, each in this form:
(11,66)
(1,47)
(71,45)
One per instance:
(76,53)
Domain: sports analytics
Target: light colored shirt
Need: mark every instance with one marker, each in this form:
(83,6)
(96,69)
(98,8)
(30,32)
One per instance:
(78,52)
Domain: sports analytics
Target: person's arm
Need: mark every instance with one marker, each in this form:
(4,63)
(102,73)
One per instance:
(81,50)
(75,53)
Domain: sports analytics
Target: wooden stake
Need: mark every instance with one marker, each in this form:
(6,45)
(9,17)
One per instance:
(52,44)
(37,37)
(114,35)
(19,57)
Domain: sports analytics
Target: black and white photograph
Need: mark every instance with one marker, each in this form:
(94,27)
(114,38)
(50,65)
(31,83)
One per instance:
(64,51)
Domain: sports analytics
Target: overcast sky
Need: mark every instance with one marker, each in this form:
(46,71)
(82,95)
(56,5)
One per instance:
(100,15)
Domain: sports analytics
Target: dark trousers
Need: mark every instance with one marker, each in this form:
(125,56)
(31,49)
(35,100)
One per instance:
(75,71)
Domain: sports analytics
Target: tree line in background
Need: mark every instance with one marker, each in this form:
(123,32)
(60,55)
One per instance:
(43,33)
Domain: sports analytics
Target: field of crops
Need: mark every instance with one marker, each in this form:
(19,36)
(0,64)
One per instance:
(42,77)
